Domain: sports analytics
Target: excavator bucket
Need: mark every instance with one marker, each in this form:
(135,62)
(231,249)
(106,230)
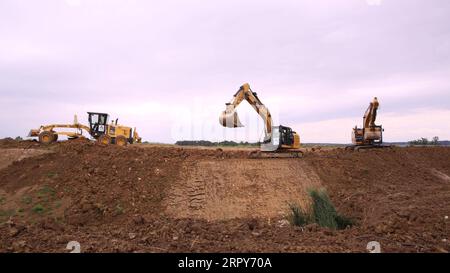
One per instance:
(230,119)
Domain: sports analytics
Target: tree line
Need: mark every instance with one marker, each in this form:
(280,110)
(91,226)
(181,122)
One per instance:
(425,141)
(213,144)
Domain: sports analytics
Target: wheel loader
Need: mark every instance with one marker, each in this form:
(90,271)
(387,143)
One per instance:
(279,141)
(99,129)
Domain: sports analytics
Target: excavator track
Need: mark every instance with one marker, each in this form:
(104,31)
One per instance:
(358,148)
(279,154)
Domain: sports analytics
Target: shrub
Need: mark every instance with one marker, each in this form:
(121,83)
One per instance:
(297,216)
(323,210)
(38,209)
(343,222)
(323,213)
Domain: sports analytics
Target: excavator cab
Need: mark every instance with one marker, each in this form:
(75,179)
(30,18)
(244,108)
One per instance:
(98,123)
(282,138)
(286,135)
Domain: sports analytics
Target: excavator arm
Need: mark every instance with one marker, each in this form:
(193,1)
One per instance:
(371,114)
(229,118)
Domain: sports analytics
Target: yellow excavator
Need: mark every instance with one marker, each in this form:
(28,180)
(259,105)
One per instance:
(279,141)
(98,128)
(371,135)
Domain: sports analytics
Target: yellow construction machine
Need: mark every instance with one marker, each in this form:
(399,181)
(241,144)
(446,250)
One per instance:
(279,141)
(98,128)
(371,135)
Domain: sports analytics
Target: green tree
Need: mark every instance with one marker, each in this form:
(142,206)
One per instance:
(435,140)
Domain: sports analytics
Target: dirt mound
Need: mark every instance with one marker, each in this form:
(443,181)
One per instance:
(8,156)
(24,144)
(166,198)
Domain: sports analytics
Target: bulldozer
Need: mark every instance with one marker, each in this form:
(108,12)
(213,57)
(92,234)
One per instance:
(98,128)
(279,141)
(370,135)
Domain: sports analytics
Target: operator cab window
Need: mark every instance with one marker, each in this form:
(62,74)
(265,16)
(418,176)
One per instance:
(94,119)
(102,119)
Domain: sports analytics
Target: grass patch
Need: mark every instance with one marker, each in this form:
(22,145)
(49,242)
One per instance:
(323,213)
(27,200)
(365,172)
(119,209)
(323,210)
(38,209)
(52,174)
(343,222)
(46,191)
(297,216)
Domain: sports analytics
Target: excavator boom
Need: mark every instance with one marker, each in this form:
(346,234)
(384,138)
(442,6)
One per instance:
(371,114)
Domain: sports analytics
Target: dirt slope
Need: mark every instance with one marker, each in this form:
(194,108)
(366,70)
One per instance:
(240,188)
(167,198)
(8,156)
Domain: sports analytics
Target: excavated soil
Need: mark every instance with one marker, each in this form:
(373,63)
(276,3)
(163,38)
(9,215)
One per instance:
(240,188)
(150,198)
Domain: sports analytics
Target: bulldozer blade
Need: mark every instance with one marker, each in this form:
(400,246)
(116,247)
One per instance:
(230,120)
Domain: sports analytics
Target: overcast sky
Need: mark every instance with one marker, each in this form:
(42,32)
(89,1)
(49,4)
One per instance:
(169,66)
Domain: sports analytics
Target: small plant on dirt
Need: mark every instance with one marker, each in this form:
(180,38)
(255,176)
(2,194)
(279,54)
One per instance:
(27,200)
(59,219)
(100,208)
(68,189)
(38,209)
(119,209)
(52,174)
(46,191)
(323,213)
(343,222)
(297,216)
(2,200)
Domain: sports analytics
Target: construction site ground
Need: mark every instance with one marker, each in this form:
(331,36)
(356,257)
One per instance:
(166,198)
